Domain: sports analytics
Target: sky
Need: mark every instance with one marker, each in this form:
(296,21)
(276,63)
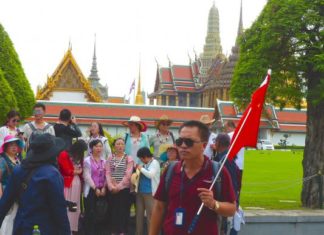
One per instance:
(128,33)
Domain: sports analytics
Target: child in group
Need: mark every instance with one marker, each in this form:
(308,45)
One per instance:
(148,182)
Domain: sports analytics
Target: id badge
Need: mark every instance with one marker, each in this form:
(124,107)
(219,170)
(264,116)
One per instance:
(179,217)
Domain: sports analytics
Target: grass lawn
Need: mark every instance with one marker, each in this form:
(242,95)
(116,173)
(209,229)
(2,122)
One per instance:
(272,179)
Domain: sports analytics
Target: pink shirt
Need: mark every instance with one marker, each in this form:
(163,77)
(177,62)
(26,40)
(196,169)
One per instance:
(125,182)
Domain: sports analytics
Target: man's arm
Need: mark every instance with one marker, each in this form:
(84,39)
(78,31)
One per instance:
(222,208)
(157,217)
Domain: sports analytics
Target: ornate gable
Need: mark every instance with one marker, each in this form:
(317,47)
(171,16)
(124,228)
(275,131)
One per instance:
(67,77)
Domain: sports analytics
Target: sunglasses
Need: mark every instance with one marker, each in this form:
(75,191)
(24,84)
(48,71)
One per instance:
(15,120)
(188,142)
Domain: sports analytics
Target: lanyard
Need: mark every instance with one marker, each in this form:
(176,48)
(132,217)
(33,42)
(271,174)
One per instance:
(183,186)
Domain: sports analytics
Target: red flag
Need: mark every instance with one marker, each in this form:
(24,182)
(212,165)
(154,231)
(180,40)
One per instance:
(246,133)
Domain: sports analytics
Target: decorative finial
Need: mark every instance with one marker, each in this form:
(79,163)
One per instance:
(95,42)
(70,45)
(170,63)
(156,61)
(190,60)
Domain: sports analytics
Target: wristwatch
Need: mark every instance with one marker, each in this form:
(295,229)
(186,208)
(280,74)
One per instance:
(216,206)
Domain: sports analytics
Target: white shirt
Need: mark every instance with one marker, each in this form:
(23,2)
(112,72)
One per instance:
(208,150)
(240,155)
(153,173)
(28,130)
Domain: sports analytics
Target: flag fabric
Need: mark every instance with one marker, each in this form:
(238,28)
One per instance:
(246,133)
(132,87)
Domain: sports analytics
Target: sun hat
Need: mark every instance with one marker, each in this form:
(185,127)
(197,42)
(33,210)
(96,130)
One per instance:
(163,149)
(206,119)
(163,118)
(166,147)
(44,147)
(137,120)
(9,139)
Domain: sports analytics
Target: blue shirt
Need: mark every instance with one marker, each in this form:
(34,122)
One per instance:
(145,184)
(42,203)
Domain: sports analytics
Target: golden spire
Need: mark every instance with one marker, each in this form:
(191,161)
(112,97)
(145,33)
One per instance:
(139,97)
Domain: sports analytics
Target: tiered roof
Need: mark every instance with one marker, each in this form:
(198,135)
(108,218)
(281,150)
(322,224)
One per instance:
(176,78)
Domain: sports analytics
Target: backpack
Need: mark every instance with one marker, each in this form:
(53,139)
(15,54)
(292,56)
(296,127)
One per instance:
(36,131)
(217,185)
(233,170)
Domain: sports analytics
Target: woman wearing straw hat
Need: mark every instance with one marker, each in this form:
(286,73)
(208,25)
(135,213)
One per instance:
(135,139)
(163,136)
(171,154)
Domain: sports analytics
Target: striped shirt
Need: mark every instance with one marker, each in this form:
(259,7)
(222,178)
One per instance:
(118,167)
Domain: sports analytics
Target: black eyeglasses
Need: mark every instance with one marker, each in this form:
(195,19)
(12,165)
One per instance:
(188,142)
(15,120)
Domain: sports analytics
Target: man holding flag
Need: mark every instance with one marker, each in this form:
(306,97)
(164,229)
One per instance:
(245,135)
(188,188)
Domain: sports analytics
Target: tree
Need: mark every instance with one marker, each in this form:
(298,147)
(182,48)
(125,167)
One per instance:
(8,100)
(15,76)
(288,38)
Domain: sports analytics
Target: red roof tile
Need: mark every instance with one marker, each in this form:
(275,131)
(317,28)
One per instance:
(114,114)
(182,72)
(183,88)
(292,128)
(291,116)
(289,120)
(166,75)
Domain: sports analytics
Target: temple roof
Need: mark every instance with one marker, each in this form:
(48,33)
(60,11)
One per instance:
(115,114)
(285,120)
(67,77)
(176,78)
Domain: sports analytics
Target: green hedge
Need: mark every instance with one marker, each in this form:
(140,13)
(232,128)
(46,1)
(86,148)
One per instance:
(7,98)
(14,73)
(289,147)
